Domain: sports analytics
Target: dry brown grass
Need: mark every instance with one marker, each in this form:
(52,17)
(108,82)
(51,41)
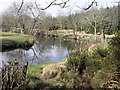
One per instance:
(53,70)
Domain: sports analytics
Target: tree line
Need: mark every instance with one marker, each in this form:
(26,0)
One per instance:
(103,19)
(31,20)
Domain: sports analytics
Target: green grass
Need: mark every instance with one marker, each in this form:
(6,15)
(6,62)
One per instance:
(14,40)
(19,38)
(8,34)
(35,71)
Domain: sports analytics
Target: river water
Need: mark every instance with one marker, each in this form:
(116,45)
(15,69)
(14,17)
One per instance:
(44,50)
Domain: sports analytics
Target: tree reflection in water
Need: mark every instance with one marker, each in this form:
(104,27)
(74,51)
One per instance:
(44,50)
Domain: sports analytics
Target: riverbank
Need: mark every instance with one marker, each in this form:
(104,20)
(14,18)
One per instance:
(46,75)
(82,70)
(72,35)
(10,41)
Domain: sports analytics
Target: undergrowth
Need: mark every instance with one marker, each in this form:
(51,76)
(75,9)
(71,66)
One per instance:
(99,68)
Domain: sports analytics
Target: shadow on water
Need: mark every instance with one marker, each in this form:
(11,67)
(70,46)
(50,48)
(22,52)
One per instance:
(44,50)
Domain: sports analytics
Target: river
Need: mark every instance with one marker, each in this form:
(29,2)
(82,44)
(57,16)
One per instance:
(45,49)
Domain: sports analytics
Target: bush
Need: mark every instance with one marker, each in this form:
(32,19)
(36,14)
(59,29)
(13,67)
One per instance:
(109,59)
(96,58)
(114,46)
(14,76)
(77,61)
(100,52)
(97,79)
(88,61)
(98,67)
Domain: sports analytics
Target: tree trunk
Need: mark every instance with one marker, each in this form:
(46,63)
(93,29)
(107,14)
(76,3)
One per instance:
(102,37)
(95,33)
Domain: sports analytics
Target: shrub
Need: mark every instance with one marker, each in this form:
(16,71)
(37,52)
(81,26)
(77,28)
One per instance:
(14,76)
(96,57)
(100,52)
(114,46)
(77,61)
(99,66)
(97,79)
(109,63)
(92,66)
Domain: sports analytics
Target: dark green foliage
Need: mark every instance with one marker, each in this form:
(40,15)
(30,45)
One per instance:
(97,79)
(93,66)
(115,48)
(97,67)
(91,62)
(100,52)
(77,61)
(14,76)
(110,65)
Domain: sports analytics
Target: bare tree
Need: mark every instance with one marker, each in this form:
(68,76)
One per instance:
(29,16)
(62,4)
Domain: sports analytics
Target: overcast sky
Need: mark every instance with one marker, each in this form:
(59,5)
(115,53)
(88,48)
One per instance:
(55,10)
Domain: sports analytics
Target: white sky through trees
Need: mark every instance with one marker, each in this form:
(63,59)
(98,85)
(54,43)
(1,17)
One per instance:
(56,10)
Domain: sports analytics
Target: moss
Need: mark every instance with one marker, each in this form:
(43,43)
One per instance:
(9,41)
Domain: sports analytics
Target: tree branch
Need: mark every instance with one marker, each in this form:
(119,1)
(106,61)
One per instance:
(53,3)
(93,2)
(90,22)
(48,5)
(20,6)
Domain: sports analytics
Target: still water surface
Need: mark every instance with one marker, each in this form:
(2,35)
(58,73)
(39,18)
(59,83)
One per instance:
(44,50)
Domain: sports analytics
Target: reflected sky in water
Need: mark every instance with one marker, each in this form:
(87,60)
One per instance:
(44,50)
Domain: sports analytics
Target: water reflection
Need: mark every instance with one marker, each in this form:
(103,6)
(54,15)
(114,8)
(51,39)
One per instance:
(44,50)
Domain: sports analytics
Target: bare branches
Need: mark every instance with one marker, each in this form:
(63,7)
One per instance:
(37,6)
(33,14)
(92,3)
(21,6)
(49,5)
(62,4)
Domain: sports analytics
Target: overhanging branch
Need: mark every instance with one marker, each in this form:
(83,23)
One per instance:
(92,3)
(59,4)
(20,6)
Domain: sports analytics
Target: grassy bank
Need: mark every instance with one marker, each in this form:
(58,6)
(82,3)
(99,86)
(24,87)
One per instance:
(10,41)
(99,68)
(34,73)
(72,34)
(96,69)
(45,75)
